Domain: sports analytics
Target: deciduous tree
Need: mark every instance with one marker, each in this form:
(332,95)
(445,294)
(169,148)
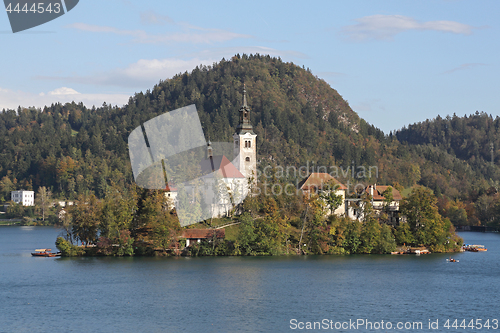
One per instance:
(43,200)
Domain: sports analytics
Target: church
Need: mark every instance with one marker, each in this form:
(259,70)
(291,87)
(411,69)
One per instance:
(245,144)
(227,179)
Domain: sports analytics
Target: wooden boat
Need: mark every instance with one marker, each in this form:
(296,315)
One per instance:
(45,253)
(481,248)
(474,248)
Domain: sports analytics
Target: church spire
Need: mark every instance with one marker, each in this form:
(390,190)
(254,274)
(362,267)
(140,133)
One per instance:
(244,125)
(244,95)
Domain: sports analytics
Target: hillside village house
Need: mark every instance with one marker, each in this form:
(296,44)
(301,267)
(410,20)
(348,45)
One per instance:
(318,182)
(26,198)
(376,192)
(353,208)
(377,199)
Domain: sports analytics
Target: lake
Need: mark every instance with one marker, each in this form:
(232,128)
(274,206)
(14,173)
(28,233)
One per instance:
(244,294)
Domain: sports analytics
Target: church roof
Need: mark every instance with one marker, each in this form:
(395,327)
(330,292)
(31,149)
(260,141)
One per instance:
(170,188)
(222,165)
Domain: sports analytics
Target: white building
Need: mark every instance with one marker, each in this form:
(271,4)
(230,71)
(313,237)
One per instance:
(230,179)
(376,195)
(378,199)
(318,182)
(26,198)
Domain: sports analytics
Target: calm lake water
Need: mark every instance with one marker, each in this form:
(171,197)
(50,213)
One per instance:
(235,294)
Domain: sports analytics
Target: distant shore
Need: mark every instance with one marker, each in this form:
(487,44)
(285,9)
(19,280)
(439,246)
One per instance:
(9,222)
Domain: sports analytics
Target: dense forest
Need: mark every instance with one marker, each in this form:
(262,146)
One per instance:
(300,120)
(466,148)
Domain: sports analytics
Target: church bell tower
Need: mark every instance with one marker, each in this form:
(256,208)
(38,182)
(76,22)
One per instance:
(245,143)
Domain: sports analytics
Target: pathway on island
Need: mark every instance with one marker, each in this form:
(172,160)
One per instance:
(227,225)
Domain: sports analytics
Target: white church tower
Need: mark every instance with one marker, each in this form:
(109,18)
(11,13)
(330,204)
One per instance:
(245,146)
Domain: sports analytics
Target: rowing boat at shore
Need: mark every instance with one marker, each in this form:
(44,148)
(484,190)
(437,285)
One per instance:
(45,253)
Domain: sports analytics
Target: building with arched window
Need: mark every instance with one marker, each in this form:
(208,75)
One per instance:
(245,144)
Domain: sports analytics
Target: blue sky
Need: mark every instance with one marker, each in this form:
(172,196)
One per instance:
(395,62)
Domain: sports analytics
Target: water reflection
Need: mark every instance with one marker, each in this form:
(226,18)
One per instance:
(230,294)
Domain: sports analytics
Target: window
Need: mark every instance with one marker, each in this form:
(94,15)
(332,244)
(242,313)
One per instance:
(247,159)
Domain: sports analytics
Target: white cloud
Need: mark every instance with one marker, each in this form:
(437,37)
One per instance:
(160,69)
(191,34)
(382,27)
(151,18)
(143,74)
(463,67)
(64,91)
(10,99)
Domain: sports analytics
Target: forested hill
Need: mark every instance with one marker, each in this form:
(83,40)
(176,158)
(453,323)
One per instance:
(299,119)
(474,138)
(297,116)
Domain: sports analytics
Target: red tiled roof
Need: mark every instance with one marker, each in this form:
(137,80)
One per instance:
(222,165)
(203,233)
(319,180)
(377,193)
(170,188)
